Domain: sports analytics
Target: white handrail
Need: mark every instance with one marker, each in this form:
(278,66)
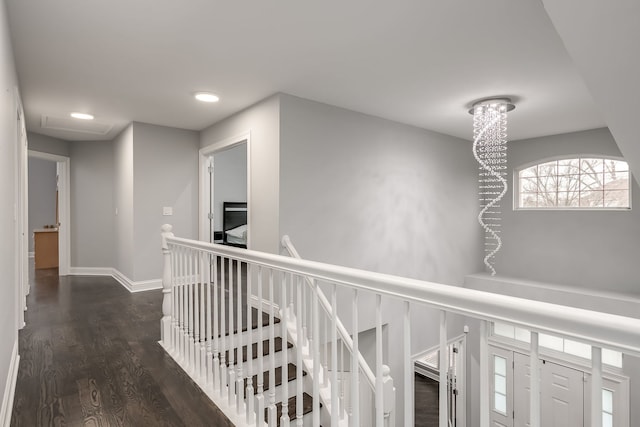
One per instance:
(322,299)
(597,328)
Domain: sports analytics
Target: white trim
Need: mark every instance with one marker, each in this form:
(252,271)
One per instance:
(90,271)
(140,286)
(266,305)
(10,386)
(32,254)
(64,208)
(204,232)
(128,284)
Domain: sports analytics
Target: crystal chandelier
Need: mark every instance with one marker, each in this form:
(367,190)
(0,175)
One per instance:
(490,150)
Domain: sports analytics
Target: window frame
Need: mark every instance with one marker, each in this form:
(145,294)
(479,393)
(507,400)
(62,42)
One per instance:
(516,184)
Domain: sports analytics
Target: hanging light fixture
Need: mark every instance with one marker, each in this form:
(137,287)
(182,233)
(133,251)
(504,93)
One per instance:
(490,150)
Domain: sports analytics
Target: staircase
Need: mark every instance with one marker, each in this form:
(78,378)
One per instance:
(264,344)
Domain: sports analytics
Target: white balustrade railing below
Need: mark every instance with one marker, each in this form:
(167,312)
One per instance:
(236,320)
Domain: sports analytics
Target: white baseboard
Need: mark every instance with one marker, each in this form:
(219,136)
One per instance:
(266,305)
(10,387)
(31,254)
(90,271)
(130,285)
(140,286)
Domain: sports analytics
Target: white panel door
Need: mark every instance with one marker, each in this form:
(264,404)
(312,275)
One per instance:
(501,380)
(561,394)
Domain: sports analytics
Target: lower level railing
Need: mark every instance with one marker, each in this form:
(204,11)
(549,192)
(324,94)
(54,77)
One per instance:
(236,320)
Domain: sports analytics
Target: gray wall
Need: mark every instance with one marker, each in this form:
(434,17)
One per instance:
(47,144)
(8,143)
(123,202)
(230,179)
(589,249)
(92,214)
(262,120)
(42,195)
(165,173)
(369,193)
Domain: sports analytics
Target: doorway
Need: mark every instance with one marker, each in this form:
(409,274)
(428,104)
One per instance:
(564,393)
(49,207)
(225,196)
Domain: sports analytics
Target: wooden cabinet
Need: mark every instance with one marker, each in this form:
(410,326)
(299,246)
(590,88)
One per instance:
(46,248)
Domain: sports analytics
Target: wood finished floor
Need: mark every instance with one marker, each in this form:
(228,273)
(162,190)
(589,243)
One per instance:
(426,402)
(89,357)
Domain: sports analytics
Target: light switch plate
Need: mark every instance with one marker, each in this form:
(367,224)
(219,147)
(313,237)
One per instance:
(167,211)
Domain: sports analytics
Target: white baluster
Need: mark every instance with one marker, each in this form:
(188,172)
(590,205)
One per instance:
(408,367)
(316,359)
(596,386)
(184,335)
(249,393)
(389,393)
(260,394)
(444,366)
(224,348)
(379,377)
(299,344)
(484,374)
(217,382)
(176,304)
(165,323)
(192,344)
(325,379)
(210,313)
(355,369)
(534,385)
(239,373)
(335,404)
(303,311)
(196,315)
(203,331)
(284,417)
(272,366)
(234,355)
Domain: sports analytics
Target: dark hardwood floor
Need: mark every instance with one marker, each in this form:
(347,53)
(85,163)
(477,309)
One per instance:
(426,402)
(89,357)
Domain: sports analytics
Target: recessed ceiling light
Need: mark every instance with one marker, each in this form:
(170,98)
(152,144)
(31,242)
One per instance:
(207,97)
(82,116)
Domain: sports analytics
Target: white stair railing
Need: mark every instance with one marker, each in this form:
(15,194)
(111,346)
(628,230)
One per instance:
(348,377)
(197,273)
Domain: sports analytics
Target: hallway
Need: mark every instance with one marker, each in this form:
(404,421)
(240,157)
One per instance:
(89,357)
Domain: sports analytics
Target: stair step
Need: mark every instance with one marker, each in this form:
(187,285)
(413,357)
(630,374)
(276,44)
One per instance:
(307,407)
(254,347)
(254,322)
(291,372)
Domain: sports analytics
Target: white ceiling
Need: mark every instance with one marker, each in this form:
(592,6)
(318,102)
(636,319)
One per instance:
(417,62)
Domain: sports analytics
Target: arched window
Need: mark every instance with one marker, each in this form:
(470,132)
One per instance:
(577,183)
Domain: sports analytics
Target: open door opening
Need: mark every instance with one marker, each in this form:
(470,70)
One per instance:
(48,211)
(225,193)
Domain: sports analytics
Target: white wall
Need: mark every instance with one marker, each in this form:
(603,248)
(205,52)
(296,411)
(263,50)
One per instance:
(262,120)
(373,194)
(230,180)
(587,249)
(47,144)
(92,204)
(165,173)
(8,147)
(123,202)
(42,195)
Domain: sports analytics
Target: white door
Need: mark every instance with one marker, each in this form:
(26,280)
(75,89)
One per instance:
(561,394)
(501,378)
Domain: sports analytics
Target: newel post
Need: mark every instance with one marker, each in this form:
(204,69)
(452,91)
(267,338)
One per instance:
(389,396)
(165,323)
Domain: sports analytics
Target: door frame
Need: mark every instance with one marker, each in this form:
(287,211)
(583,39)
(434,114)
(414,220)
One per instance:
(204,230)
(64,208)
(611,380)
